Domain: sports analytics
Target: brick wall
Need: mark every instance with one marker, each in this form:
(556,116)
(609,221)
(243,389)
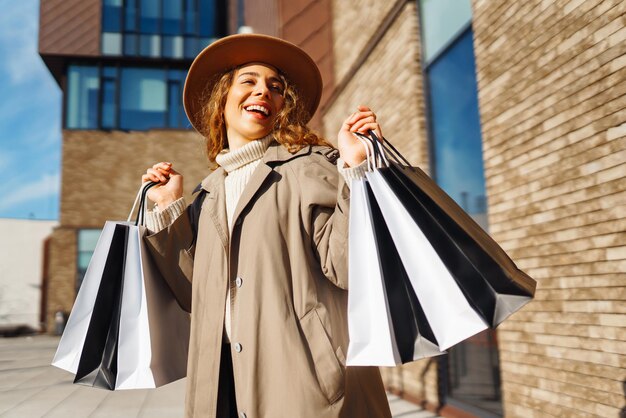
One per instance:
(61,274)
(100,178)
(552,93)
(388,79)
(102,170)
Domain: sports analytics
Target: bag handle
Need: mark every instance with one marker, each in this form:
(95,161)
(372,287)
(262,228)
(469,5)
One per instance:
(141,198)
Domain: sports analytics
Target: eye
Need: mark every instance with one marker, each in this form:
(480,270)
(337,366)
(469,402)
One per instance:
(247,81)
(277,87)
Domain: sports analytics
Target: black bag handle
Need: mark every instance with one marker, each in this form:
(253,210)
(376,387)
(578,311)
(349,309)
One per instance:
(142,202)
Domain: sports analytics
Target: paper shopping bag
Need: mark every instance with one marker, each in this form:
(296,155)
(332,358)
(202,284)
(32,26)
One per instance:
(491,282)
(126,330)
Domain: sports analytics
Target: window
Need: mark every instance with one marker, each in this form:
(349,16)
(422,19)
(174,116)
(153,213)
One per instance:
(83,85)
(161,28)
(86,244)
(470,372)
(127,98)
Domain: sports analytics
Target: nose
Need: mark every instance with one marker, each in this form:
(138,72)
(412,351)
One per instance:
(262,89)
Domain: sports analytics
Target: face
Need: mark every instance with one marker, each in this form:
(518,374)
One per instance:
(252,103)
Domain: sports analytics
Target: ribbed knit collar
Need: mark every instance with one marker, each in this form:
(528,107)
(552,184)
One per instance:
(250,152)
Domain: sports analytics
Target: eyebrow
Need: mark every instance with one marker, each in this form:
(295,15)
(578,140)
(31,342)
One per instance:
(255,74)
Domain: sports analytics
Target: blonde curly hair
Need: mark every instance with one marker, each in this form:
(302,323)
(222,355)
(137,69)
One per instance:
(290,127)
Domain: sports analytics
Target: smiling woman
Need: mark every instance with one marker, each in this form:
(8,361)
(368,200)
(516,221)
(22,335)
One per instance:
(268,259)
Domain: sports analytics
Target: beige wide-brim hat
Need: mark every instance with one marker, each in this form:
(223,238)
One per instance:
(236,50)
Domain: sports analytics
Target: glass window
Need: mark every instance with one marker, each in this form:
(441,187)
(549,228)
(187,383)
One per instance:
(130,18)
(112,16)
(173,46)
(442,21)
(150,16)
(143,99)
(173,115)
(455,126)
(190,17)
(130,44)
(109,92)
(208,22)
(191,47)
(82,97)
(172,17)
(86,244)
(157,28)
(150,46)
(112,43)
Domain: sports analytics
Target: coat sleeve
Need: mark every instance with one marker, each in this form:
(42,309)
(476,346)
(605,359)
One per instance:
(172,250)
(326,206)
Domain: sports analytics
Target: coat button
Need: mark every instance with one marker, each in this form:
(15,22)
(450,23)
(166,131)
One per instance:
(238,347)
(238,281)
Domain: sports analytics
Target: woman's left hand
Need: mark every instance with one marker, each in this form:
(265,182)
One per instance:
(350,148)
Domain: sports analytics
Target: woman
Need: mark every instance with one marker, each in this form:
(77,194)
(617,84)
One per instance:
(268,263)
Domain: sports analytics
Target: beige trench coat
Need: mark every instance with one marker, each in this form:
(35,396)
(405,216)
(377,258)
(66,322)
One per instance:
(286,265)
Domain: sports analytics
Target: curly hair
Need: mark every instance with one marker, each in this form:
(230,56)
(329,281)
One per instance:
(290,128)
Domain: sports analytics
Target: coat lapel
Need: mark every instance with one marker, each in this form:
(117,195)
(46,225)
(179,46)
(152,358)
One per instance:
(215,203)
(275,154)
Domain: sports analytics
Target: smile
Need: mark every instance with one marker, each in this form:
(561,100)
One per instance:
(258,108)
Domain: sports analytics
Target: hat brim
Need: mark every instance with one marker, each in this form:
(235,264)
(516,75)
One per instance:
(236,50)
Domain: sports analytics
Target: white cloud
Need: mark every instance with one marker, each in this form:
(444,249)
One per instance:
(46,185)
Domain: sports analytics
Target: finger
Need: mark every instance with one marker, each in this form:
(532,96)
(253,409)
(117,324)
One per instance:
(360,115)
(156,175)
(357,126)
(363,108)
(373,126)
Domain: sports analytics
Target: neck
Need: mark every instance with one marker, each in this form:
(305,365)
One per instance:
(236,141)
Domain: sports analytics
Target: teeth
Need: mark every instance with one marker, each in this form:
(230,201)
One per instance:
(265,111)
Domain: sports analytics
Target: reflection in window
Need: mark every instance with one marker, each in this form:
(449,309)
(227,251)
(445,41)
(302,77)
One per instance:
(455,126)
(143,99)
(125,98)
(83,85)
(86,244)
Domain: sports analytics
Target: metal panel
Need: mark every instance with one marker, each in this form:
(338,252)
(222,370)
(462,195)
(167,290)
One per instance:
(70,27)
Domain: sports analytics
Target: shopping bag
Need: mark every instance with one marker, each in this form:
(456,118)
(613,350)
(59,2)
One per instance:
(386,323)
(125,331)
(491,282)
(420,215)
(372,339)
(449,314)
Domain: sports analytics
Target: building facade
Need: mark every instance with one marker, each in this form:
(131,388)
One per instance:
(517,109)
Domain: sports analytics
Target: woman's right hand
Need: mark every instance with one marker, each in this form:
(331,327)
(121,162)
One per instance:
(171,187)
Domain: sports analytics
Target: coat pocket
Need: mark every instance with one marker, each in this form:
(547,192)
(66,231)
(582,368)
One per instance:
(329,372)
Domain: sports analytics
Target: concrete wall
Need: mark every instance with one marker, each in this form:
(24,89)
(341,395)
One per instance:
(22,270)
(552,93)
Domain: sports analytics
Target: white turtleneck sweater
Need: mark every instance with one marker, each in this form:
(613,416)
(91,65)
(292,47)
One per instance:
(239,166)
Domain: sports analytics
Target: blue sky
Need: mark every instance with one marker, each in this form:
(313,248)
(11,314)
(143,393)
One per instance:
(30,118)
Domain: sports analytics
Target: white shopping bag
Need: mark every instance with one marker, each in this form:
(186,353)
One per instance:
(448,312)
(71,345)
(372,340)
